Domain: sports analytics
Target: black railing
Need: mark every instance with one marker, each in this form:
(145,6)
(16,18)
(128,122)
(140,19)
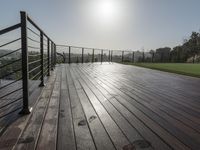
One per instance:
(75,54)
(36,58)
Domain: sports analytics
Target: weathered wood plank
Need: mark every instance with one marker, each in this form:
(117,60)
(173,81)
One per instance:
(114,132)
(84,139)
(101,138)
(48,135)
(66,139)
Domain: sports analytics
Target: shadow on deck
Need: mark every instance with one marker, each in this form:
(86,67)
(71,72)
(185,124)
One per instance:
(110,106)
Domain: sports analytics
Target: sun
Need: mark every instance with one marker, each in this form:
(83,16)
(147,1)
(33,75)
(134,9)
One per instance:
(106,10)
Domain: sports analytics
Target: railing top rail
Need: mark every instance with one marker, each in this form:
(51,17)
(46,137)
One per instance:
(37,27)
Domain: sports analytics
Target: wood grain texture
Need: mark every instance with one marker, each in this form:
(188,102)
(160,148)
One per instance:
(48,136)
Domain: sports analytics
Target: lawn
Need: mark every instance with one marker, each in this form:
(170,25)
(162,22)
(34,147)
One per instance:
(179,68)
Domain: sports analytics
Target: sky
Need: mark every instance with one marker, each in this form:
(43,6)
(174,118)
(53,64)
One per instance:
(110,24)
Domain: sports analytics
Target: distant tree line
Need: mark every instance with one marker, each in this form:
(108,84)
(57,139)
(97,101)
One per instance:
(189,51)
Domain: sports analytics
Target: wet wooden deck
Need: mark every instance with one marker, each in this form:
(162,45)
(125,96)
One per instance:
(111,106)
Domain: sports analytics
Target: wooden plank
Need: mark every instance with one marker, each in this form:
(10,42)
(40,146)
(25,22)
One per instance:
(101,138)
(114,132)
(84,139)
(66,137)
(48,135)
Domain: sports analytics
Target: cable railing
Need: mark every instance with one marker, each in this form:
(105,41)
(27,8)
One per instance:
(32,61)
(75,54)
(10,73)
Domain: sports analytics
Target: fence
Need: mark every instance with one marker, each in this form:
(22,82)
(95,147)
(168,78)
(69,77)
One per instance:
(31,61)
(74,54)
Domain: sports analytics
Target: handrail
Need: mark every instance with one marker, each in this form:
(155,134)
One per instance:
(105,49)
(36,26)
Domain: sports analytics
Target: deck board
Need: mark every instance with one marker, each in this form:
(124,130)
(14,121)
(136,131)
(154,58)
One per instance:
(113,106)
(48,135)
(65,126)
(101,138)
(84,139)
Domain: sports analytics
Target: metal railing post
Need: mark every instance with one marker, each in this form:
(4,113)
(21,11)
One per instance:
(82,55)
(111,55)
(55,59)
(101,56)
(92,55)
(51,55)
(133,57)
(122,56)
(48,55)
(143,57)
(69,54)
(25,75)
(42,59)
(152,58)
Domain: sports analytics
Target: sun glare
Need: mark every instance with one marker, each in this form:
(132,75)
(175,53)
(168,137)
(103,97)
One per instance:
(106,10)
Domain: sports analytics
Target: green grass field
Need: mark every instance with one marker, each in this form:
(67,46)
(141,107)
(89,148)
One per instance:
(179,68)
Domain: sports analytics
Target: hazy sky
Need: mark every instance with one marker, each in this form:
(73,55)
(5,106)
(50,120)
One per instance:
(113,24)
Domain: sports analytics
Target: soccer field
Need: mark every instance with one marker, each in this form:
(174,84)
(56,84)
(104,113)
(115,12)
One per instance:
(179,68)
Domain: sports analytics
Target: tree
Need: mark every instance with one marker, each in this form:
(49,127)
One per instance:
(163,54)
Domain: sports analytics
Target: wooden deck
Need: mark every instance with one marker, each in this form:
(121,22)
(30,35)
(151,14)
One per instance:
(111,106)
